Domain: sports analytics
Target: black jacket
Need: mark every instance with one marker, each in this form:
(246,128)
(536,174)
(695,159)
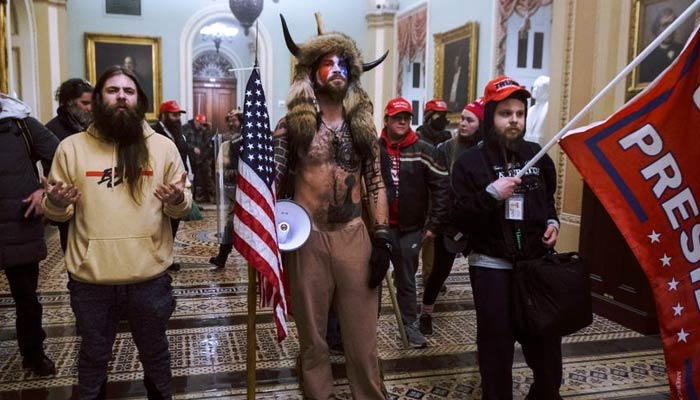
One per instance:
(484,217)
(179,141)
(423,182)
(21,240)
(63,124)
(425,132)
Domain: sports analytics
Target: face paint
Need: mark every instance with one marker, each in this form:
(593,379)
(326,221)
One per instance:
(330,67)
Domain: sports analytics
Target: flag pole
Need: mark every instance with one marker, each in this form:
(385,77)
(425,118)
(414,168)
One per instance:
(252,275)
(251,347)
(637,60)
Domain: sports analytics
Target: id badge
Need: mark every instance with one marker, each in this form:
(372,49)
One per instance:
(515,206)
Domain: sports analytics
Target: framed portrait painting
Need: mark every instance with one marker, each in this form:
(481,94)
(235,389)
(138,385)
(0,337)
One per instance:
(650,18)
(139,53)
(455,66)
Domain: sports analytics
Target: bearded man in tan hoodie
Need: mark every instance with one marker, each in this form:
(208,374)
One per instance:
(118,183)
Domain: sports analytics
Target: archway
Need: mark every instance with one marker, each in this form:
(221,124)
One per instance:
(220,13)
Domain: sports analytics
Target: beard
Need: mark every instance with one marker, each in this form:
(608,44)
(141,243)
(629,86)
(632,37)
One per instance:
(173,127)
(511,144)
(126,130)
(124,127)
(335,93)
(82,117)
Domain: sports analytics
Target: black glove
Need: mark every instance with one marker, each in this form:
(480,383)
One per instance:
(379,261)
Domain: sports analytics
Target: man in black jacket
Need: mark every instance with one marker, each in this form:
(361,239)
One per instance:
(169,125)
(416,182)
(74,114)
(509,219)
(23,140)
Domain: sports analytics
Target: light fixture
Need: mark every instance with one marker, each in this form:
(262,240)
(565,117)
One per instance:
(218,32)
(246,12)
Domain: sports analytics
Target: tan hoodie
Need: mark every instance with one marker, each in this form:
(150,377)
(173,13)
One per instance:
(111,239)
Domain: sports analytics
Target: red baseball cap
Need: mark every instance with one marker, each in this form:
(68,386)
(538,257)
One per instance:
(476,107)
(201,118)
(171,106)
(501,88)
(397,106)
(435,105)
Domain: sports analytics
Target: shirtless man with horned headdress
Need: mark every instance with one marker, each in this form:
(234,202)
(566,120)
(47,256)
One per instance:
(328,143)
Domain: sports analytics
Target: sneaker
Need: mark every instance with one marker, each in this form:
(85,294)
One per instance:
(42,366)
(174,267)
(425,324)
(415,338)
(220,264)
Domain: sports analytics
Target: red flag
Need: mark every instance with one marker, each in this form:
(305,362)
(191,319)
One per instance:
(255,233)
(643,163)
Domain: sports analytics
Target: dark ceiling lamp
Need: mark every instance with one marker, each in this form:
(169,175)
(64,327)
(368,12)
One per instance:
(246,12)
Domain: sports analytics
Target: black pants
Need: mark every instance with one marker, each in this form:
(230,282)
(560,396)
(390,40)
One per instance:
(63,234)
(23,281)
(203,185)
(98,308)
(496,336)
(442,266)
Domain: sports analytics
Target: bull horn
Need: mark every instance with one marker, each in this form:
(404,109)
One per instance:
(368,66)
(293,48)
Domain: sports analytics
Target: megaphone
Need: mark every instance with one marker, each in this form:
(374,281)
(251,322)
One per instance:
(293,225)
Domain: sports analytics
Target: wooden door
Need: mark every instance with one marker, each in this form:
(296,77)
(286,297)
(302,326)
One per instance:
(214,99)
(620,289)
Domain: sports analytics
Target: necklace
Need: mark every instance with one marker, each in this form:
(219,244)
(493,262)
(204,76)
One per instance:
(335,130)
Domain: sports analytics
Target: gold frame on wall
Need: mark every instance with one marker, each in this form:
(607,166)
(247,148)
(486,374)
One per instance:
(4,68)
(152,83)
(637,43)
(469,31)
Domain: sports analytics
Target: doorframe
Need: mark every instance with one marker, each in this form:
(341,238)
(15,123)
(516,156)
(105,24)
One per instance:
(190,31)
(29,54)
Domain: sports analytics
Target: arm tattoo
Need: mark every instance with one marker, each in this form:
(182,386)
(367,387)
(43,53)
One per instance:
(281,143)
(376,193)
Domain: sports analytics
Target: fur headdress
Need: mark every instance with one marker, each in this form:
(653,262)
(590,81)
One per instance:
(302,109)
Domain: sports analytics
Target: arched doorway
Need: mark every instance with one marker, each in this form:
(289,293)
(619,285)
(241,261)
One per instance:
(190,47)
(214,88)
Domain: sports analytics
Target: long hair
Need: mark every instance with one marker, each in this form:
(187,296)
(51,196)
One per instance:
(132,152)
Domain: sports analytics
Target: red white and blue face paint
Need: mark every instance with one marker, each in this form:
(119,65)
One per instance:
(331,67)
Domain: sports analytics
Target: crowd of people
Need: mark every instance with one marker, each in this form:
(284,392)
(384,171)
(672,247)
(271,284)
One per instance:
(374,200)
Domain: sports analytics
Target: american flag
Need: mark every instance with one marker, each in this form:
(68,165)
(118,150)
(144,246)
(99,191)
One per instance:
(254,227)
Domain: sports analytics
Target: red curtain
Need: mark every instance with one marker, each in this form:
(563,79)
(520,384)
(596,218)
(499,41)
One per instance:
(411,39)
(506,8)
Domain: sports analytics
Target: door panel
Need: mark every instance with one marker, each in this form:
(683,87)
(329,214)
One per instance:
(619,287)
(215,100)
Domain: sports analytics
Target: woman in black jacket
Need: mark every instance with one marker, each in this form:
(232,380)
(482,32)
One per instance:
(23,141)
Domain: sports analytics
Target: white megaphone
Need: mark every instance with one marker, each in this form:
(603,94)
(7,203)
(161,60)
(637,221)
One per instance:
(293,225)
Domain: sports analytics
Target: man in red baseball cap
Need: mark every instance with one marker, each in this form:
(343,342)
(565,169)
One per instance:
(508,219)
(434,123)
(417,195)
(169,125)
(434,132)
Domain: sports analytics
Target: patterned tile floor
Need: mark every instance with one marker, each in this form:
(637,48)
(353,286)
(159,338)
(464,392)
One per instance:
(208,343)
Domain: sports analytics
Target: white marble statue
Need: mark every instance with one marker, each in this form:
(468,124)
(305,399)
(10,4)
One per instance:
(538,112)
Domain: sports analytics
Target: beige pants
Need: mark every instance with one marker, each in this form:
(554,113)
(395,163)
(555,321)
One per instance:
(332,269)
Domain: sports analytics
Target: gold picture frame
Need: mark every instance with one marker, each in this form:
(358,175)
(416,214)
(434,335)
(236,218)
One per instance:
(647,20)
(4,68)
(141,53)
(455,81)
